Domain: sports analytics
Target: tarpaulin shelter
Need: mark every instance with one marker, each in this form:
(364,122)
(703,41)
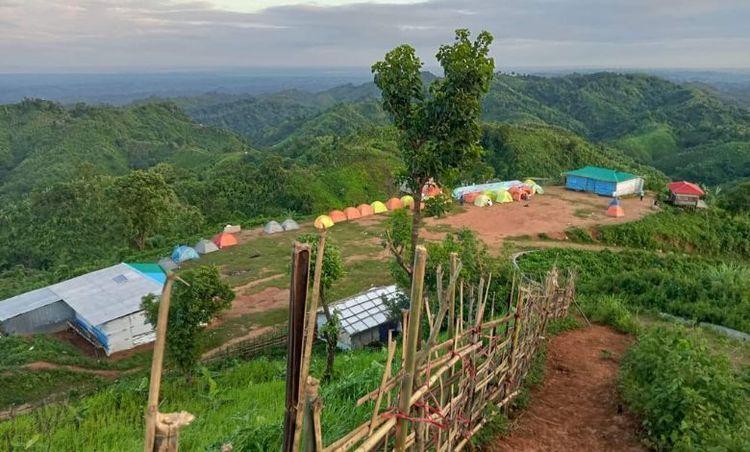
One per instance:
(407,201)
(272,227)
(225,240)
(352,213)
(232,229)
(502,196)
(182,253)
(482,201)
(603,181)
(365,210)
(337,216)
(323,222)
(205,246)
(378,207)
(290,225)
(505,185)
(529,182)
(394,203)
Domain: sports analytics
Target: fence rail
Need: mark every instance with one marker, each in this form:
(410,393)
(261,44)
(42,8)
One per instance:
(250,348)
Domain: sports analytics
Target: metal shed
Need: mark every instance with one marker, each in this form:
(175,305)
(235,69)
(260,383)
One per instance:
(364,317)
(603,181)
(104,305)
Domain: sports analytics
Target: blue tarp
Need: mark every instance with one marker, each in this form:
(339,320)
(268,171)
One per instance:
(599,187)
(184,253)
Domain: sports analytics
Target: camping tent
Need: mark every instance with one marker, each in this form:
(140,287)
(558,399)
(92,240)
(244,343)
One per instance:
(272,227)
(615,209)
(323,222)
(337,216)
(378,207)
(205,246)
(232,229)
(167,264)
(470,197)
(603,181)
(365,210)
(394,203)
(502,196)
(352,213)
(290,225)
(184,253)
(224,240)
(482,201)
(537,189)
(407,201)
(520,192)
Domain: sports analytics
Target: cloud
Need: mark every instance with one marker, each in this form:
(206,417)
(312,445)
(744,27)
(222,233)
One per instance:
(157,34)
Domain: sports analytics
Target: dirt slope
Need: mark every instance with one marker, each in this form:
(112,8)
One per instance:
(577,407)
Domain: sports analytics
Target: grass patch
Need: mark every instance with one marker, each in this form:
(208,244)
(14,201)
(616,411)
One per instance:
(21,386)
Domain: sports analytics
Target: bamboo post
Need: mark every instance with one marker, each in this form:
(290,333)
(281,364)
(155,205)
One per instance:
(407,382)
(313,439)
(157,362)
(383,381)
(452,294)
(309,335)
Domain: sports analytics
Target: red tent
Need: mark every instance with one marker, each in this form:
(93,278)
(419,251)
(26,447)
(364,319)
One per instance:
(352,213)
(685,188)
(224,240)
(337,216)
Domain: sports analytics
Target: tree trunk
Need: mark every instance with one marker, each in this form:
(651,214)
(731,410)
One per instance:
(416,222)
(330,357)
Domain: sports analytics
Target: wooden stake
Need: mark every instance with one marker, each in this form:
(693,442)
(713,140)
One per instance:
(157,362)
(384,380)
(313,435)
(407,383)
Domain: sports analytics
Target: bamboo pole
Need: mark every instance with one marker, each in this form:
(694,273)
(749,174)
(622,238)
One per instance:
(452,293)
(383,381)
(407,383)
(156,363)
(310,322)
(313,439)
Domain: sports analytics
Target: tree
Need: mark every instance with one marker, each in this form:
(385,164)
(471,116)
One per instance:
(147,203)
(191,308)
(736,199)
(440,129)
(333,270)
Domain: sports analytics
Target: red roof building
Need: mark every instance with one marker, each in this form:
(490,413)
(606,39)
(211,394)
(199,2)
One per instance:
(685,193)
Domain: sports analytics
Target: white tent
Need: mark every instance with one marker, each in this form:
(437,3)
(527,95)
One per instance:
(289,225)
(167,264)
(205,246)
(272,227)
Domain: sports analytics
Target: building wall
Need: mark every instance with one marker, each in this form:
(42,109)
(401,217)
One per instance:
(629,187)
(684,200)
(47,319)
(127,332)
(366,337)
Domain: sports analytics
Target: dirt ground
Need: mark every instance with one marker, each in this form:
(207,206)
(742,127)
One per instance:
(265,300)
(551,213)
(577,406)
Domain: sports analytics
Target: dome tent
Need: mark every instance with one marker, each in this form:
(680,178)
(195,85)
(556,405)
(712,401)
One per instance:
(289,225)
(615,209)
(407,201)
(352,213)
(167,264)
(482,201)
(502,196)
(365,210)
(323,222)
(272,227)
(471,197)
(224,240)
(337,216)
(537,189)
(378,207)
(205,246)
(529,182)
(182,253)
(394,204)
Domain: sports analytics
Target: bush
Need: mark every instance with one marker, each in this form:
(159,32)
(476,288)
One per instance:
(437,206)
(610,310)
(688,398)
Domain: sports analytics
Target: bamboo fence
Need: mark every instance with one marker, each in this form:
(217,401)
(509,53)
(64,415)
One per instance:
(438,398)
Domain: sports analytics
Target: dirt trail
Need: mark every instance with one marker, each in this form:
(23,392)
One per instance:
(44,365)
(577,406)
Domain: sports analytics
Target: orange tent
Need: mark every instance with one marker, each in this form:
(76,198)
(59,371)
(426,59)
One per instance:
(394,203)
(337,216)
(615,211)
(365,210)
(225,240)
(352,213)
(520,192)
(470,197)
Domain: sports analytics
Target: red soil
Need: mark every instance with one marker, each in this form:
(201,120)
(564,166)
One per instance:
(577,407)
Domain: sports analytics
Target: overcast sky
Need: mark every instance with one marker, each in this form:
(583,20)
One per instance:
(90,35)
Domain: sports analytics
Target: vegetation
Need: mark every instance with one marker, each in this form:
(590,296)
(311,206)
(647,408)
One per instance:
(198,297)
(688,397)
(440,132)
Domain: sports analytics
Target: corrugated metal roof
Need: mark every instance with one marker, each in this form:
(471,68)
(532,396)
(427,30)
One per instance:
(365,310)
(605,174)
(98,297)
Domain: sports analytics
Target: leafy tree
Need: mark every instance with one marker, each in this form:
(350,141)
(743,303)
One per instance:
(736,199)
(146,202)
(333,270)
(191,308)
(440,130)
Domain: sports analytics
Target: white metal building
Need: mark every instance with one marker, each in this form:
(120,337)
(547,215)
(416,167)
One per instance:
(364,317)
(104,305)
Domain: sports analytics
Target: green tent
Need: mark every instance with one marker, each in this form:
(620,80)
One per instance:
(482,201)
(502,196)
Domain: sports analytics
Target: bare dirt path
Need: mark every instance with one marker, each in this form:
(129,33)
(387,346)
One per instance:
(577,406)
(44,365)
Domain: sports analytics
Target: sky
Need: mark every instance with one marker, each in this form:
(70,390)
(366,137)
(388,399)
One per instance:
(143,35)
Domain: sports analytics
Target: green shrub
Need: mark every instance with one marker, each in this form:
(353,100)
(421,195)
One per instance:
(437,206)
(610,310)
(688,398)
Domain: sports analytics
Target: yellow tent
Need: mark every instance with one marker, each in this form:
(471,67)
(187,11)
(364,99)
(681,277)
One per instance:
(502,196)
(323,222)
(407,200)
(529,182)
(378,207)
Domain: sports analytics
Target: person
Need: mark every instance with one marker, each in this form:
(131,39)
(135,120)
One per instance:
(641,194)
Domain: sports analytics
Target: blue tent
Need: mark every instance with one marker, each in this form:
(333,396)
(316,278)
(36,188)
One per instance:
(184,253)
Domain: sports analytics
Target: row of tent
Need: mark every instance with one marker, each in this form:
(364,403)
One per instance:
(515,192)
(363,210)
(274,227)
(183,253)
